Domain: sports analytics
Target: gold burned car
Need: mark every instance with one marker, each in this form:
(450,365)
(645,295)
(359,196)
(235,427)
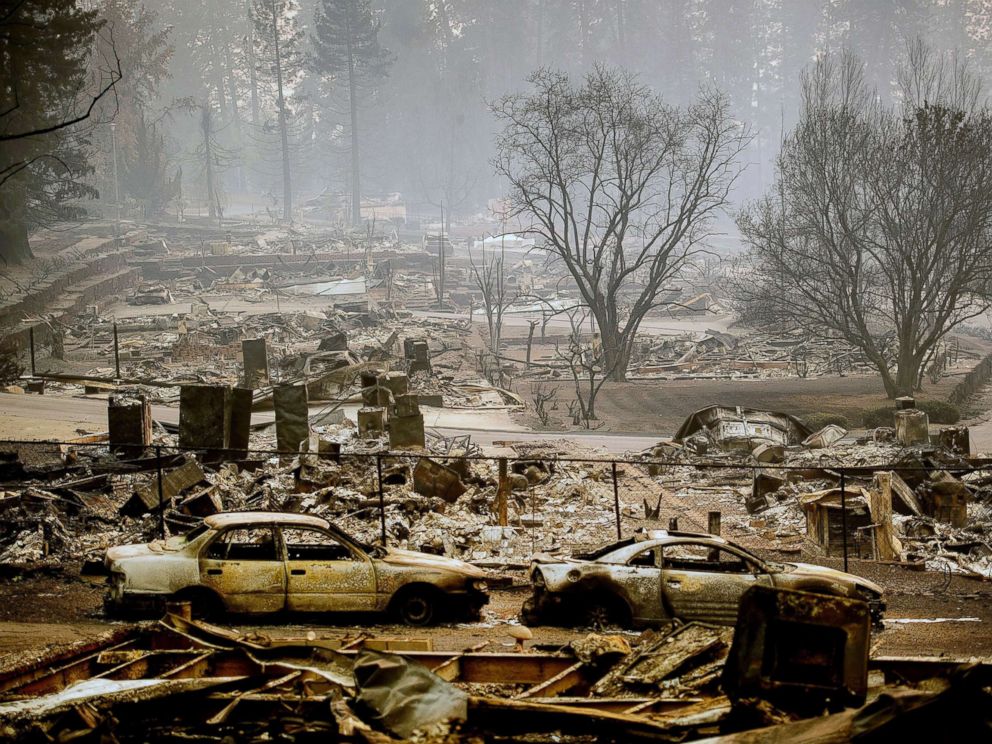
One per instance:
(266,562)
(659,576)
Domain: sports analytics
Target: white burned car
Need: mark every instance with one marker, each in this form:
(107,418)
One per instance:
(659,576)
(265,562)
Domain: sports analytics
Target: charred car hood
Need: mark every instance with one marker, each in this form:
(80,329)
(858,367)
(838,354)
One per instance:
(809,569)
(120,552)
(414,559)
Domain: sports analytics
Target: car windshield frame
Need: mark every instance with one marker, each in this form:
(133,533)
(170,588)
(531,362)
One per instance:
(654,548)
(730,547)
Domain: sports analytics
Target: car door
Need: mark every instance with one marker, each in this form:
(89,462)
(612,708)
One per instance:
(245,567)
(325,574)
(639,578)
(703,582)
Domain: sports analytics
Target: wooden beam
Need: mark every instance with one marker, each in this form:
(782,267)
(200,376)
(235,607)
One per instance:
(564,681)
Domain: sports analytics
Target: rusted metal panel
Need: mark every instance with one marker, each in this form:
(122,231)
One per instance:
(800,650)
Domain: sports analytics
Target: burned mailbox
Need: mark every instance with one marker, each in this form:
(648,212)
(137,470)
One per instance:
(799,650)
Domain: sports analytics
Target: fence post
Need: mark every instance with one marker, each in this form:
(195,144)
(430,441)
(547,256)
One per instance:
(382,497)
(843,515)
(714,523)
(117,354)
(501,489)
(616,500)
(31,342)
(161,497)
(533,519)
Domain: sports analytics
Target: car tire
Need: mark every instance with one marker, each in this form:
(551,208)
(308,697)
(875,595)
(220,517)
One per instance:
(417,607)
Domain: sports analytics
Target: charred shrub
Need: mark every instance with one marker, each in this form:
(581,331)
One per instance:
(10,368)
(940,412)
(817,421)
(873,418)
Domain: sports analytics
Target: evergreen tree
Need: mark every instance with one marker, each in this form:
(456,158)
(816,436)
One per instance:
(277,52)
(346,48)
(46,98)
(142,42)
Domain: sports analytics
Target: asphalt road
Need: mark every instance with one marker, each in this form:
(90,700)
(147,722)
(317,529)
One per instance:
(36,417)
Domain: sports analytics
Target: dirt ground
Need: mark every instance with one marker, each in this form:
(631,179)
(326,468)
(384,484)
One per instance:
(42,610)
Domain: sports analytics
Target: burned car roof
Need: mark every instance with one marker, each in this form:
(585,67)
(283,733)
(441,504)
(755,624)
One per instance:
(232,519)
(643,538)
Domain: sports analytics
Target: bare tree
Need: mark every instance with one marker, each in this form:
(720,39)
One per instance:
(542,394)
(880,224)
(490,278)
(620,186)
(588,365)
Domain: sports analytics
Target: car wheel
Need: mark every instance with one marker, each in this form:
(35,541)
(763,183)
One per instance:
(529,614)
(601,612)
(204,605)
(417,607)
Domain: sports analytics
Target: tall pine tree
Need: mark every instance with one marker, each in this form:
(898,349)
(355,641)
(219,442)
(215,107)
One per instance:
(277,52)
(346,50)
(45,101)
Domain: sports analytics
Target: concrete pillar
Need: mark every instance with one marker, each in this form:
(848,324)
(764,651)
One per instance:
(256,362)
(292,416)
(406,405)
(241,399)
(204,416)
(397,382)
(912,427)
(371,422)
(406,432)
(129,419)
(418,354)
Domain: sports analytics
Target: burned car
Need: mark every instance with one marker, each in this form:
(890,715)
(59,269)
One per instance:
(736,428)
(150,294)
(659,576)
(265,562)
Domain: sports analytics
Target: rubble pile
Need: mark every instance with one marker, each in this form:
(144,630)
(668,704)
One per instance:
(760,353)
(181,679)
(929,514)
(77,512)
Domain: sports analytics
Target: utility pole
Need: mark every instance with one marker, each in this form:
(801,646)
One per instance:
(440,262)
(117,186)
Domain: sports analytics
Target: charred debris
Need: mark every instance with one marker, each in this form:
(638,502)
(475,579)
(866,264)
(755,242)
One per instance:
(796,668)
